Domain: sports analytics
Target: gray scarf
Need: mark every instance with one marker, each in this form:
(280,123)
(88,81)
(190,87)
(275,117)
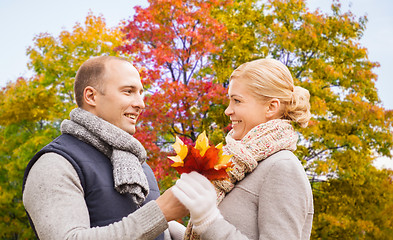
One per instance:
(125,152)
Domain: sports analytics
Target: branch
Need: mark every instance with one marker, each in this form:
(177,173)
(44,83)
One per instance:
(192,71)
(322,151)
(179,133)
(171,71)
(329,86)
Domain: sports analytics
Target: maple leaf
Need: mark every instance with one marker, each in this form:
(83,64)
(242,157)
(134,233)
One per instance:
(203,158)
(181,151)
(202,143)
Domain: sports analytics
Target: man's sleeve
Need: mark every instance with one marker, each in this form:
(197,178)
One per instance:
(54,199)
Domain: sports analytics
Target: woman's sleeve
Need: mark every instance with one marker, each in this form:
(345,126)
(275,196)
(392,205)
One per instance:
(54,199)
(283,201)
(282,205)
(221,229)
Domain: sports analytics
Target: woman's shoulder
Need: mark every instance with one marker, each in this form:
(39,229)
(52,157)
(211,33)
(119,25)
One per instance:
(283,163)
(274,163)
(285,155)
(279,159)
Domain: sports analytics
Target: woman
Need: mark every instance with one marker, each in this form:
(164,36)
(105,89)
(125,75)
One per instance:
(268,195)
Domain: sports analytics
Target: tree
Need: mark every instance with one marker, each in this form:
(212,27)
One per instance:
(31,109)
(172,40)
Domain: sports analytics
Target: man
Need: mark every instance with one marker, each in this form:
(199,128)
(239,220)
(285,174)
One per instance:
(92,181)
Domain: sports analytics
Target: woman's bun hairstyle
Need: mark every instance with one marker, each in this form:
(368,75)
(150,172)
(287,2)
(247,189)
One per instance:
(298,109)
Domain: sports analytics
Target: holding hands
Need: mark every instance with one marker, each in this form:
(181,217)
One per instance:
(198,195)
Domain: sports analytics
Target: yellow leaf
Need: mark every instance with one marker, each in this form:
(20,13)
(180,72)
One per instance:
(219,146)
(180,149)
(178,161)
(223,160)
(202,143)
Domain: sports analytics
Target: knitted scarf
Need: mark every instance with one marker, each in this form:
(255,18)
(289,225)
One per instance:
(125,152)
(258,144)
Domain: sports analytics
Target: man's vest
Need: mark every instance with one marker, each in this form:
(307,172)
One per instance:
(94,169)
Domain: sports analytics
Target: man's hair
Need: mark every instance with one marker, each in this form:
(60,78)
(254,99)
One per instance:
(92,73)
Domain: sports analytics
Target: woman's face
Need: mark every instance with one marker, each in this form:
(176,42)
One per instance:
(245,110)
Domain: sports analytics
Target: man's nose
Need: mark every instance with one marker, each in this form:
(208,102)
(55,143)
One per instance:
(139,103)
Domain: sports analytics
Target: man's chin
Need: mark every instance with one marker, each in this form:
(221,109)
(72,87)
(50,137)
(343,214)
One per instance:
(130,130)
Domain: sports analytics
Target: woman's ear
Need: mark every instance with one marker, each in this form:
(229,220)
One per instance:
(273,109)
(89,96)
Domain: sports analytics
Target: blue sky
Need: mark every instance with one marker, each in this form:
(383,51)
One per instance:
(22,20)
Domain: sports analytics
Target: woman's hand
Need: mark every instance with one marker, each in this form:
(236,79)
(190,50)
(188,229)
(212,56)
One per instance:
(198,195)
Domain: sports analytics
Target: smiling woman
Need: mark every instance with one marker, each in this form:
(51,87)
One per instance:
(268,195)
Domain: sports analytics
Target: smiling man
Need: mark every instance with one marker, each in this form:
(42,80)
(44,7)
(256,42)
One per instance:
(92,182)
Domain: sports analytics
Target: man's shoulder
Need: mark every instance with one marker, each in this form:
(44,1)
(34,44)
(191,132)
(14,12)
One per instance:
(50,167)
(52,162)
(51,158)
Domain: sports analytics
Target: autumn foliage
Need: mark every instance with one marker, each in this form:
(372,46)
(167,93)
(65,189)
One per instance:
(203,158)
(171,42)
(185,51)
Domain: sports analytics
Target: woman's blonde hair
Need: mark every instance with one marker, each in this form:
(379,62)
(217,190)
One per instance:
(268,79)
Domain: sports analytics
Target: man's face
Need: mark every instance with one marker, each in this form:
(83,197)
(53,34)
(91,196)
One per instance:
(122,99)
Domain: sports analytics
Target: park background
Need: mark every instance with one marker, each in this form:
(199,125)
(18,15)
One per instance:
(351,129)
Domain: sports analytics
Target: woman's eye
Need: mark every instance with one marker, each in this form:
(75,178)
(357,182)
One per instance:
(236,101)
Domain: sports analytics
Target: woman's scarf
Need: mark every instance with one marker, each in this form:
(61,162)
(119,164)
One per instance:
(258,144)
(125,152)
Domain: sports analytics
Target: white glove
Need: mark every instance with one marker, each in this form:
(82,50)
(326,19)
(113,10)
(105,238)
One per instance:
(197,194)
(176,230)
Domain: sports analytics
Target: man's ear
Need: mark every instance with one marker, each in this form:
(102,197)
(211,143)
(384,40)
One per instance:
(273,109)
(89,96)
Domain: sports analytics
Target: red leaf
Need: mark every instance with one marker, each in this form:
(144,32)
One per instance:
(203,165)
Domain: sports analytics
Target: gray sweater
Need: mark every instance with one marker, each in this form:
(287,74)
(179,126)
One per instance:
(54,198)
(273,202)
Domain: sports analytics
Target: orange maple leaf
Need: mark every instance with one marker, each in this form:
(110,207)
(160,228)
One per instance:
(203,158)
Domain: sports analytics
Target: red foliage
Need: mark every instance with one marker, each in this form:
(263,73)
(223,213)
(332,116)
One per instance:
(203,165)
(171,41)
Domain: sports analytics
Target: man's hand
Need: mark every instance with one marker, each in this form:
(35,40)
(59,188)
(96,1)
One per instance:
(171,207)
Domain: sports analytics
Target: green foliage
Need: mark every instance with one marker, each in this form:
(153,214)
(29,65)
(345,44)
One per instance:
(19,142)
(356,206)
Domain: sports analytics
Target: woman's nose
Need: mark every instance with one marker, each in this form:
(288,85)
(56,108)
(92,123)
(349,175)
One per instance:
(228,111)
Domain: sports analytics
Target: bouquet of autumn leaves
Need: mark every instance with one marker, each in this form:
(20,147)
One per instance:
(205,159)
